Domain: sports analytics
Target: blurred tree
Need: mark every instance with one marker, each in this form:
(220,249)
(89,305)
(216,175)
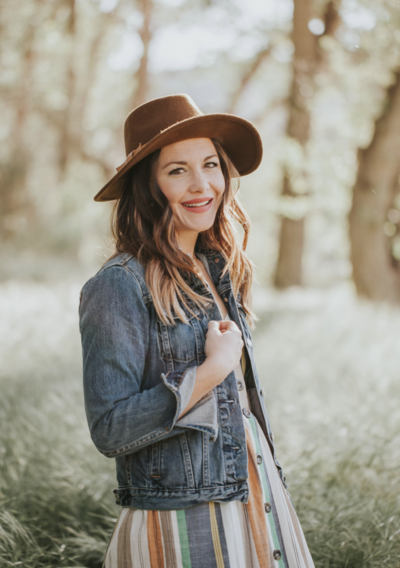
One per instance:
(288,271)
(373,215)
(142,81)
(66,118)
(14,201)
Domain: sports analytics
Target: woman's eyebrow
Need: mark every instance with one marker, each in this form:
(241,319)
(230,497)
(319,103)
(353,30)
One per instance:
(184,163)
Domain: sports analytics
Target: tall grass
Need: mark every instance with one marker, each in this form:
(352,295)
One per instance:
(330,366)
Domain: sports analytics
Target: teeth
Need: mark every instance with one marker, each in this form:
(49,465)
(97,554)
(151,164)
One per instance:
(197,204)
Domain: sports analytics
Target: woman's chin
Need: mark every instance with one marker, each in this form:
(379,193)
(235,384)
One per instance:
(198,225)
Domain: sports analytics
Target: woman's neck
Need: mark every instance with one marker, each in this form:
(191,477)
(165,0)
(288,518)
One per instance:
(187,242)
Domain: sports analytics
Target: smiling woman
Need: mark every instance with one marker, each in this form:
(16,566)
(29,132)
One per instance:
(170,382)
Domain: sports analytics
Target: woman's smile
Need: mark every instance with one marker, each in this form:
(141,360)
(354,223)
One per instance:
(199,205)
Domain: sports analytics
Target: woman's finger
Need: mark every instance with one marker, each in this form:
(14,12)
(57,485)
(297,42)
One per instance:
(227,325)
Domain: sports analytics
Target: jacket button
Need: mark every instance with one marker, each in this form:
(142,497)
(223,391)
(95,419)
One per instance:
(246,412)
(225,299)
(240,385)
(259,459)
(271,436)
(277,554)
(217,259)
(267,507)
(117,498)
(262,391)
(249,342)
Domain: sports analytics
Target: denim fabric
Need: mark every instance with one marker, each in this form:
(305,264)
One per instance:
(139,375)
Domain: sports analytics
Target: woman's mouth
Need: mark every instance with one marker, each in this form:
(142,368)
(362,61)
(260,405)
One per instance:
(198,205)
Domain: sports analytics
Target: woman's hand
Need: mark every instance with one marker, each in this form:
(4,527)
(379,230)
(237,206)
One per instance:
(223,350)
(223,347)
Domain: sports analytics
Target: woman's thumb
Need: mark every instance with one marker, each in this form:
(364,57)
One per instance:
(213,325)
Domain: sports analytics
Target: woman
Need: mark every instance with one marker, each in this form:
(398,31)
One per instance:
(171,388)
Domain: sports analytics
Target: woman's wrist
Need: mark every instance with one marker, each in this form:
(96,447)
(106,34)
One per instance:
(212,371)
(208,375)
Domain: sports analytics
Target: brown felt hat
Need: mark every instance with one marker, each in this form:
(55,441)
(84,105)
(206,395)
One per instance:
(173,118)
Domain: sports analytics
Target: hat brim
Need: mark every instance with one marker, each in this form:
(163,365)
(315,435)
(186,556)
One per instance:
(239,138)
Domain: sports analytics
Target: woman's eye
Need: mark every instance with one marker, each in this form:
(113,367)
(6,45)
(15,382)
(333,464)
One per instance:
(175,171)
(210,165)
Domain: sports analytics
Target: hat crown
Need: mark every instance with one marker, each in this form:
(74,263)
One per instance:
(152,117)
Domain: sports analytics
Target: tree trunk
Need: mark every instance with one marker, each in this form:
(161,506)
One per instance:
(14,198)
(288,269)
(374,273)
(142,74)
(66,125)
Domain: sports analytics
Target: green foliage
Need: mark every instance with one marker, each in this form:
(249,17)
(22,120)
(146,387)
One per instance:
(55,488)
(330,368)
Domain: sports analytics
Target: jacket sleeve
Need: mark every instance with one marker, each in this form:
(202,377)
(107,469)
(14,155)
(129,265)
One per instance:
(114,325)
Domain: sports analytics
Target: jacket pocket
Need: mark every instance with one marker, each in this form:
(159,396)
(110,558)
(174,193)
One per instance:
(178,343)
(166,465)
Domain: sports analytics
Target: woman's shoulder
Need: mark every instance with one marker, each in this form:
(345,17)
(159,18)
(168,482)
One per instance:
(124,260)
(120,273)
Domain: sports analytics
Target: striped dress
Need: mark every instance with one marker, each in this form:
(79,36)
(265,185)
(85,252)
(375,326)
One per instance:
(264,533)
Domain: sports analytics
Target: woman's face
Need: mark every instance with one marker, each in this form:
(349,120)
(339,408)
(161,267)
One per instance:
(190,176)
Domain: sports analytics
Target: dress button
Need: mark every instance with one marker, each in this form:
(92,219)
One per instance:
(246,412)
(277,554)
(267,507)
(240,385)
(259,459)
(249,342)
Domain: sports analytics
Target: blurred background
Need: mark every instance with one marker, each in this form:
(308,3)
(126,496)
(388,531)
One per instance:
(321,81)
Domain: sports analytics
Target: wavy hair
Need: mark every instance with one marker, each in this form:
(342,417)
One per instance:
(143,225)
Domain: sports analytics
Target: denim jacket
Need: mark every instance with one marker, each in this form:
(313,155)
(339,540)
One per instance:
(139,375)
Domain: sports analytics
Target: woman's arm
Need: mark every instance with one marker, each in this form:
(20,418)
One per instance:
(114,324)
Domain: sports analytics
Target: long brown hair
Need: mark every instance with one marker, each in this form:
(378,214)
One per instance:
(143,225)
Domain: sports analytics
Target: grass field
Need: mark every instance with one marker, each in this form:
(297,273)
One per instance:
(330,366)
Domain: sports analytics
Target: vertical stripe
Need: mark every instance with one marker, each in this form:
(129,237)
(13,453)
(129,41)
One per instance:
(200,538)
(222,537)
(155,540)
(175,531)
(183,538)
(268,496)
(124,541)
(253,558)
(110,557)
(234,540)
(139,541)
(168,538)
(215,536)
(255,509)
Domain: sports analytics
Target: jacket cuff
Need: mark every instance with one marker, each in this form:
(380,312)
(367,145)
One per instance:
(203,415)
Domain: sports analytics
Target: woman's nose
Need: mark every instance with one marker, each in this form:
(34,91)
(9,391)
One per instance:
(199,182)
